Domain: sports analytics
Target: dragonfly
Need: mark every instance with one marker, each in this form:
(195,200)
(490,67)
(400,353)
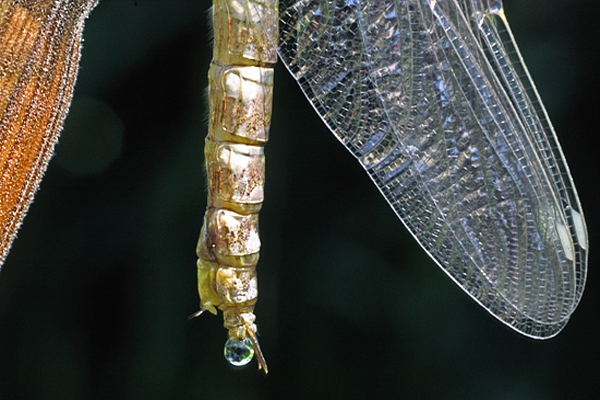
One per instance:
(432,97)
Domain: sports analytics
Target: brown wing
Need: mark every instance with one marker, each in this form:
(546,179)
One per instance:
(39,53)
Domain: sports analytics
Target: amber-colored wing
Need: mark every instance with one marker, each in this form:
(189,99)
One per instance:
(39,55)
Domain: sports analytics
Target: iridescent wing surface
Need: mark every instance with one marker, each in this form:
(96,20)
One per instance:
(433,99)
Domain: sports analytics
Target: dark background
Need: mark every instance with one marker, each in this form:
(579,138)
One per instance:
(95,293)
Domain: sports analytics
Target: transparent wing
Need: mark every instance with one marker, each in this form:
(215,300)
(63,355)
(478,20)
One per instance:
(434,101)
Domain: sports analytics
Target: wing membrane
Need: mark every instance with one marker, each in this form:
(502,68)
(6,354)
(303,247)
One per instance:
(39,55)
(434,101)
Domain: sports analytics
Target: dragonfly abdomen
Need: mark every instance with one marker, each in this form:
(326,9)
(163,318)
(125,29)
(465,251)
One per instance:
(241,91)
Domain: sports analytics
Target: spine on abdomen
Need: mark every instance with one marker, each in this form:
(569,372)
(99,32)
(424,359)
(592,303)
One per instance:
(240,96)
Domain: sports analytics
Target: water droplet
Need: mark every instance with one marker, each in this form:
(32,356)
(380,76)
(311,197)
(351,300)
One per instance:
(238,352)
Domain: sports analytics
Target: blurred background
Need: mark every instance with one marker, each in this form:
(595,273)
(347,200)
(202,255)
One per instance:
(96,290)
